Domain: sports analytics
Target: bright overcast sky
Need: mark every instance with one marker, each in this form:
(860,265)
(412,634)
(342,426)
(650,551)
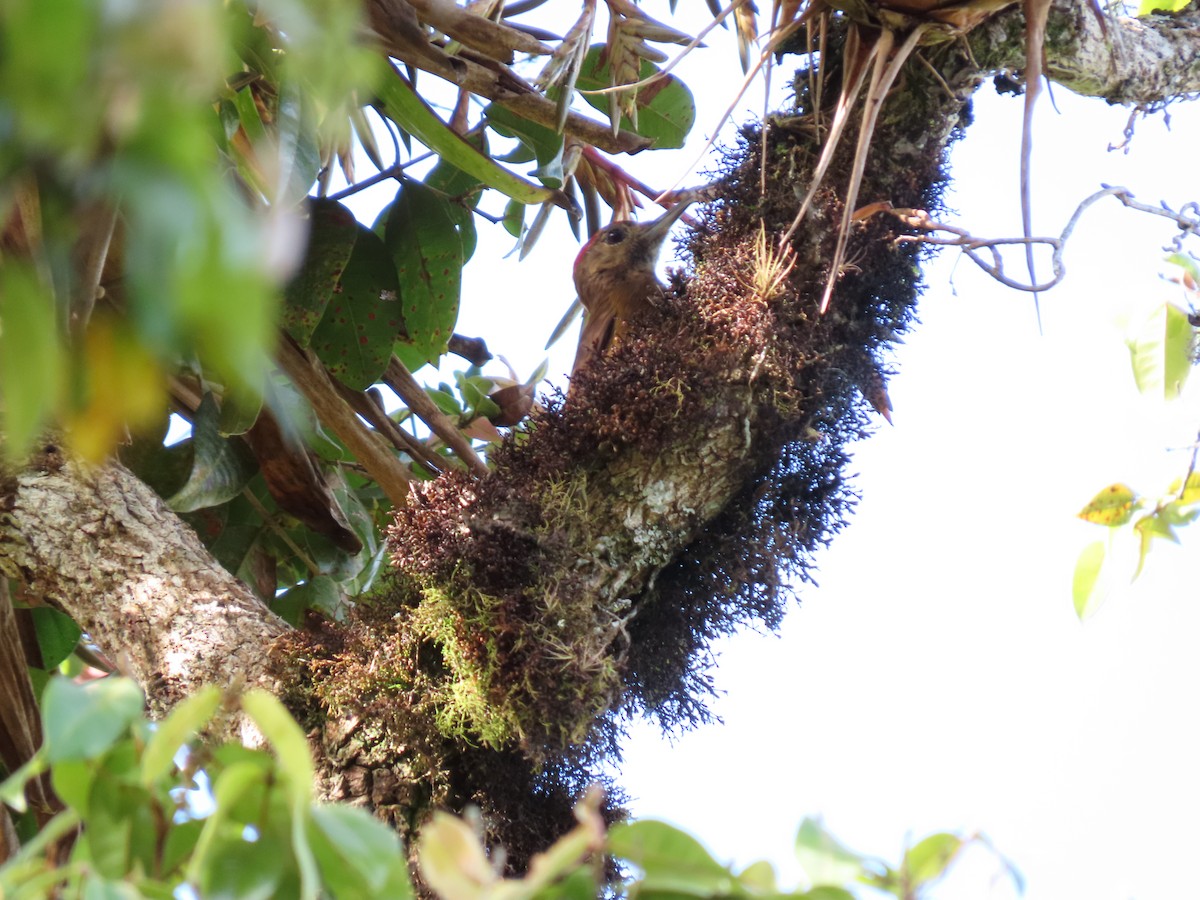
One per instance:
(938,678)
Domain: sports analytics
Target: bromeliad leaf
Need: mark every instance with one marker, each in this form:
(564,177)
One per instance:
(627,55)
(422,233)
(559,74)
(331,236)
(665,109)
(364,317)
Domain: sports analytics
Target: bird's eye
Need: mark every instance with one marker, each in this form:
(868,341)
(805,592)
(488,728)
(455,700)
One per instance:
(615,236)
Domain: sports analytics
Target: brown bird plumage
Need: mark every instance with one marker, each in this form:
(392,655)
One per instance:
(614,275)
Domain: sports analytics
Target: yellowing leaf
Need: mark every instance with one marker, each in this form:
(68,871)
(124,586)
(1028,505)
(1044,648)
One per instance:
(1112,506)
(123,387)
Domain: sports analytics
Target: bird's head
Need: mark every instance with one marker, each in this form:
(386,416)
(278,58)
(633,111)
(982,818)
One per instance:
(623,251)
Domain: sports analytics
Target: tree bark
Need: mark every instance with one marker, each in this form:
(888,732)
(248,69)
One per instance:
(1124,60)
(103,547)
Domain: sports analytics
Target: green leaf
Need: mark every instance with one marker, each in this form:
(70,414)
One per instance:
(1087,574)
(759,877)
(320,593)
(83,721)
(241,781)
(183,723)
(244,870)
(165,469)
(462,192)
(12,788)
(1113,506)
(666,109)
(422,234)
(514,218)
(55,52)
(928,860)
(546,143)
(825,861)
(331,236)
(359,856)
(1161,352)
(121,829)
(403,106)
(180,845)
(828,892)
(445,400)
(1177,512)
(230,531)
(364,316)
(278,726)
(104,889)
(240,405)
(57,634)
(248,116)
(72,781)
(577,885)
(671,859)
(299,156)
(31,360)
(1189,493)
(221,467)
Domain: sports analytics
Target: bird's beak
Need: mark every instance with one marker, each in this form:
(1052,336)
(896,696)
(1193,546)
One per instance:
(655,231)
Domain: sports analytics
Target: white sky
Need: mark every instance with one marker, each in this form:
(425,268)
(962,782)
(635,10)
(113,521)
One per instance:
(938,679)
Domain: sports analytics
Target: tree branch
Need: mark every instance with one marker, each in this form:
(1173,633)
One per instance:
(1122,59)
(101,545)
(310,378)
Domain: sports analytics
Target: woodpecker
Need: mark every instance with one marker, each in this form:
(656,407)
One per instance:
(614,275)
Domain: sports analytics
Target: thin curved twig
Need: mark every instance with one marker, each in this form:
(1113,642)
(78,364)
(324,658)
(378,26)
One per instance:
(1187,217)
